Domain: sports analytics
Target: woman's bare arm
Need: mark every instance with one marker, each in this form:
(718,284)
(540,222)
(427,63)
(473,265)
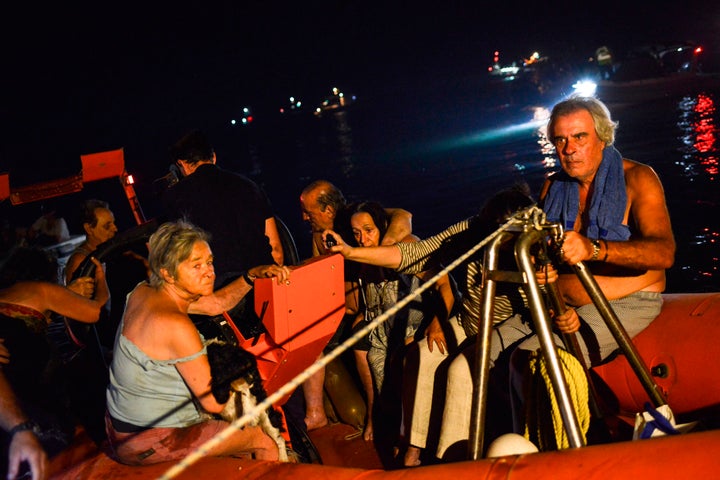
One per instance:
(228,296)
(383,256)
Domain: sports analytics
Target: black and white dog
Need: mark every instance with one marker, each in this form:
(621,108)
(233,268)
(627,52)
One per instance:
(236,382)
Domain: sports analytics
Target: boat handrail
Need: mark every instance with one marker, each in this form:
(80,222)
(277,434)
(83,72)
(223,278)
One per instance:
(537,231)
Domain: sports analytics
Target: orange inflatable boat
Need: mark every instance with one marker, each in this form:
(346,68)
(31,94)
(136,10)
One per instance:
(680,348)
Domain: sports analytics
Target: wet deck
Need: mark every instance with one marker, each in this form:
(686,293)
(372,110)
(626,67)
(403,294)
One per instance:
(342,445)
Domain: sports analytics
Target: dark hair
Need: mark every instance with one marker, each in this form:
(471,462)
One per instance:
(193,147)
(495,211)
(28,264)
(87,211)
(498,208)
(376,211)
(342,226)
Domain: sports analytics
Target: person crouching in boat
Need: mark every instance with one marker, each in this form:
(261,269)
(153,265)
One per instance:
(160,370)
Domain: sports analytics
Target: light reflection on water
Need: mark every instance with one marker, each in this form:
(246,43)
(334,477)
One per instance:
(698,135)
(442,171)
(698,129)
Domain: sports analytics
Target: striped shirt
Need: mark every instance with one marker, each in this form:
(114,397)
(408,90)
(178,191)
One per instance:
(417,256)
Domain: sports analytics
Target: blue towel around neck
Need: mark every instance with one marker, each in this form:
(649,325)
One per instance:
(607,205)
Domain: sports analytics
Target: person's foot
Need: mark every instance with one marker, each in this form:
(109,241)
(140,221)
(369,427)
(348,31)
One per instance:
(315,420)
(412,456)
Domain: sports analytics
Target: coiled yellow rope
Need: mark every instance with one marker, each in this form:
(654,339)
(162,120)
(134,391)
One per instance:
(541,413)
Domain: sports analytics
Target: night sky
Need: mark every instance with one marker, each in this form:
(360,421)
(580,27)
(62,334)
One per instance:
(100,75)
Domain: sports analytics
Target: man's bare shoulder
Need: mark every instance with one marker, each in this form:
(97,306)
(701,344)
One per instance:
(637,173)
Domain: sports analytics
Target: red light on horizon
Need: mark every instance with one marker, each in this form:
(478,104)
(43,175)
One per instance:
(698,50)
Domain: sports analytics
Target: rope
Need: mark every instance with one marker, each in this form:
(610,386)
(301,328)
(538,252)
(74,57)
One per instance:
(289,387)
(540,415)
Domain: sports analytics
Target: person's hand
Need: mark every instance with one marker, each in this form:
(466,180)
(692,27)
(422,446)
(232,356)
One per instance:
(4,353)
(99,270)
(435,335)
(84,286)
(568,322)
(575,248)
(340,246)
(268,271)
(25,447)
(546,274)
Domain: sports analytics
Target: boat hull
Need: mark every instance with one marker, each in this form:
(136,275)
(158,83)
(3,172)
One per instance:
(692,455)
(680,348)
(683,338)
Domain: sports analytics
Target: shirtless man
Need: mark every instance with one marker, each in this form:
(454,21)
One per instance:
(581,130)
(615,218)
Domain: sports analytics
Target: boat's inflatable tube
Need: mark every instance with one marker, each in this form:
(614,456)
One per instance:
(680,348)
(692,455)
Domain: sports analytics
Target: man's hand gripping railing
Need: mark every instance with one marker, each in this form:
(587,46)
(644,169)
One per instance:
(613,323)
(560,309)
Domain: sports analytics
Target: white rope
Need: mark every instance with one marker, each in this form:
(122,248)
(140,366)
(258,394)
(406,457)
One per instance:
(291,385)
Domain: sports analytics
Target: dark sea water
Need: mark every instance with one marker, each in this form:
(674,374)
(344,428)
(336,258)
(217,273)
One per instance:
(440,148)
(441,159)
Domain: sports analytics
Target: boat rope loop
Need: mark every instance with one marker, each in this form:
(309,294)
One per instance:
(542,412)
(520,218)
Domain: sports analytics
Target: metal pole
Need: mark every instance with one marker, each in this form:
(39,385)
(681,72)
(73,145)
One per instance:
(573,346)
(481,377)
(621,336)
(543,331)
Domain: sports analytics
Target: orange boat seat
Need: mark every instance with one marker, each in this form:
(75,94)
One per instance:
(680,348)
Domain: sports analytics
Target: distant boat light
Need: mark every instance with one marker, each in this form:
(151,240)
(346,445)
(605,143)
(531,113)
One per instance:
(586,88)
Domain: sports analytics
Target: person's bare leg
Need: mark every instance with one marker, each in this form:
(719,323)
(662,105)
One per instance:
(363,367)
(315,416)
(248,440)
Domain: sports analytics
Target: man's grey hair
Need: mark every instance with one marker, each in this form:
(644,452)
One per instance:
(604,125)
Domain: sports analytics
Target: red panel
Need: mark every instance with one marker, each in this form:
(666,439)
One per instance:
(300,317)
(310,306)
(45,190)
(97,166)
(4,186)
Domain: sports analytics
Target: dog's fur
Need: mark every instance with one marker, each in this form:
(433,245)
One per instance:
(236,382)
